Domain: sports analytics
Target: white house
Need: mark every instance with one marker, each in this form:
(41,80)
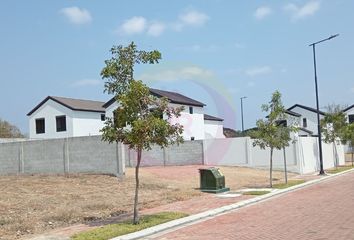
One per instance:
(214,127)
(58,117)
(306,118)
(349,112)
(196,125)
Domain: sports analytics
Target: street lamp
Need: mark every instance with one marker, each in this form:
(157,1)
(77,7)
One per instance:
(242,113)
(317,102)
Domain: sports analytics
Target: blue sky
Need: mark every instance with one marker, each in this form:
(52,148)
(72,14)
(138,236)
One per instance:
(213,50)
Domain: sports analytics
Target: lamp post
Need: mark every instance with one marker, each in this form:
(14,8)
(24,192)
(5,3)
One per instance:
(242,113)
(313,45)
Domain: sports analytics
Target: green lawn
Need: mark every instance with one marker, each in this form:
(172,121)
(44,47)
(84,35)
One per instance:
(114,230)
(256,193)
(339,169)
(289,184)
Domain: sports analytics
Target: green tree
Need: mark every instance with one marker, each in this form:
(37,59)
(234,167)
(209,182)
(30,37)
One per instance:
(272,132)
(348,137)
(141,120)
(7,130)
(119,69)
(333,127)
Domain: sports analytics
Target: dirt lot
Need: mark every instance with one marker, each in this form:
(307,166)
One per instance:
(35,204)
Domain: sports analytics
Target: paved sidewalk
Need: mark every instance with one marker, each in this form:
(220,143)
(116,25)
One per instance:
(321,211)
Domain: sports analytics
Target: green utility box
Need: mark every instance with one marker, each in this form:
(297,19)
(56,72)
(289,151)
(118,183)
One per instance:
(212,180)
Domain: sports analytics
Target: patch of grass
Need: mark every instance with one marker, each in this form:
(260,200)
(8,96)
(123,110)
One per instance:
(289,184)
(339,169)
(256,193)
(114,230)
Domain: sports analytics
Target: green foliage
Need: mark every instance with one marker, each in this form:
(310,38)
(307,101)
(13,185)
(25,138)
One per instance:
(119,70)
(114,230)
(138,122)
(348,135)
(256,193)
(339,169)
(334,125)
(271,133)
(289,184)
(141,120)
(7,130)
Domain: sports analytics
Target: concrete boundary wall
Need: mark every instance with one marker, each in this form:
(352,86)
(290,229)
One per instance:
(61,156)
(91,155)
(187,153)
(301,156)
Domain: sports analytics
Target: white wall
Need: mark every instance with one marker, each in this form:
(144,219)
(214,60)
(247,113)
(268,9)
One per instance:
(301,156)
(214,129)
(87,123)
(350,112)
(310,116)
(49,111)
(308,155)
(193,124)
(110,109)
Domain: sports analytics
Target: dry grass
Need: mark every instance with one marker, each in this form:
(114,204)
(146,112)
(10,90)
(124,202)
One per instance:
(35,204)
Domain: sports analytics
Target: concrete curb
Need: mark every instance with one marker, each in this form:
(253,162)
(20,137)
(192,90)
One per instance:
(218,211)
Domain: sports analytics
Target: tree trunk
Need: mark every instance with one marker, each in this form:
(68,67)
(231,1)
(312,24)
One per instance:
(352,155)
(136,199)
(285,168)
(335,155)
(271,168)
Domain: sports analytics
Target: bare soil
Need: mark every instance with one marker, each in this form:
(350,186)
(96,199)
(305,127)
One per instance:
(40,203)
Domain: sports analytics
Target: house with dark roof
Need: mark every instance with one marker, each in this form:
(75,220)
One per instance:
(196,124)
(305,118)
(59,117)
(349,112)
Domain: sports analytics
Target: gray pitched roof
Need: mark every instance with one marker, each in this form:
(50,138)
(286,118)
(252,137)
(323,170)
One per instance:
(346,109)
(307,108)
(73,104)
(173,97)
(212,118)
(292,113)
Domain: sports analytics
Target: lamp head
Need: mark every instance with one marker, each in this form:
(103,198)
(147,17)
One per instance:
(333,36)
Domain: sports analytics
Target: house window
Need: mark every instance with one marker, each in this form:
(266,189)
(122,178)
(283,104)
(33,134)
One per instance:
(192,138)
(304,122)
(103,117)
(191,110)
(351,118)
(61,123)
(282,123)
(40,125)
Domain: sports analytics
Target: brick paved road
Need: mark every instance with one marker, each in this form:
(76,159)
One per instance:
(322,211)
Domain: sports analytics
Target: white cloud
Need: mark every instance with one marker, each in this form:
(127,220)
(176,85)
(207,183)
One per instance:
(300,12)
(86,82)
(256,71)
(200,48)
(76,15)
(133,25)
(262,12)
(182,73)
(156,29)
(139,24)
(193,18)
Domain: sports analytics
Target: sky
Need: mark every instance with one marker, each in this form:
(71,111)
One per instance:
(215,51)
